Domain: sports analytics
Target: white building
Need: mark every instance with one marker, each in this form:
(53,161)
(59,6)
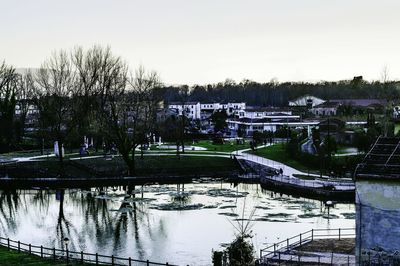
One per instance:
(191,110)
(230,108)
(197,110)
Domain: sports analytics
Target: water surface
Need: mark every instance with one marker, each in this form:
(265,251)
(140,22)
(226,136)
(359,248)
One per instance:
(159,225)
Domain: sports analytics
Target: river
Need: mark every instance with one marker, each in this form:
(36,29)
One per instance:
(158,224)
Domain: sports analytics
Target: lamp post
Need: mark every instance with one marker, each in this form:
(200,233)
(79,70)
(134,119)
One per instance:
(66,241)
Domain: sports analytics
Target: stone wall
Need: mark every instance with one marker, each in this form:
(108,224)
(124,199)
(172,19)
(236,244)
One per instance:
(377,219)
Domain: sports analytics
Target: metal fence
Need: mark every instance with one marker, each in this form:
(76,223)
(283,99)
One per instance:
(70,256)
(284,250)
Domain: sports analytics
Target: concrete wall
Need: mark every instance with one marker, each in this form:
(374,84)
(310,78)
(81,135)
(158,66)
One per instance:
(377,217)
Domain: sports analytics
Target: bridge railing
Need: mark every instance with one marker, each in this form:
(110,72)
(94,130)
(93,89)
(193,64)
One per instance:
(303,238)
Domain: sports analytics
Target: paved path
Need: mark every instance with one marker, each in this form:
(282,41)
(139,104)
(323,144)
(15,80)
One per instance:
(287,170)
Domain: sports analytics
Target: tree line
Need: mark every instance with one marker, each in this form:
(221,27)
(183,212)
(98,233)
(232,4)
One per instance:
(279,94)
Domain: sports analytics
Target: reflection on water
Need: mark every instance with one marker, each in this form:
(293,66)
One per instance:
(180,224)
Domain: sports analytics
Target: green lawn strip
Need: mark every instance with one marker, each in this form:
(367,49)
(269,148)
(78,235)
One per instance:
(13,257)
(226,147)
(277,153)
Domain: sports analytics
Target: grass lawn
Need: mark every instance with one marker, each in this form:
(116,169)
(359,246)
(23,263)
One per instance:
(277,153)
(226,147)
(15,258)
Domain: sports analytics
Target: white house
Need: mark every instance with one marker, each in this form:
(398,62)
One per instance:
(197,110)
(191,110)
(230,108)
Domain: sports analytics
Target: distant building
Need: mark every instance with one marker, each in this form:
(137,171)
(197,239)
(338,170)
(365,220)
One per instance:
(264,119)
(325,109)
(306,101)
(197,110)
(378,204)
(191,110)
(347,107)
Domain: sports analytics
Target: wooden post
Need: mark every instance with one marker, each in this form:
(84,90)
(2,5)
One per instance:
(147,263)
(19,246)
(339,233)
(274,249)
(82,257)
(30,249)
(41,251)
(300,240)
(312,234)
(287,243)
(112,260)
(8,244)
(97,259)
(130,261)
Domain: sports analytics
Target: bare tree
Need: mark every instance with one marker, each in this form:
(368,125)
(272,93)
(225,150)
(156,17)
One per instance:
(8,89)
(128,108)
(56,81)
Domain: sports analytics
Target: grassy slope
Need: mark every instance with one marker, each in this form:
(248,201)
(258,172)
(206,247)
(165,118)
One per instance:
(149,165)
(15,258)
(165,165)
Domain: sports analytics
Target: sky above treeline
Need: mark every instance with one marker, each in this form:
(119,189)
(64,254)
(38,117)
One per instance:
(208,41)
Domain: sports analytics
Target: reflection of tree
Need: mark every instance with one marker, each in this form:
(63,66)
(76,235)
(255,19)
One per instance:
(9,204)
(126,232)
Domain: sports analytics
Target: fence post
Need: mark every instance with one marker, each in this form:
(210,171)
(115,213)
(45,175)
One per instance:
(147,263)
(260,253)
(300,239)
(97,259)
(112,260)
(30,249)
(130,261)
(166,264)
(348,260)
(279,258)
(41,251)
(274,249)
(82,257)
(8,244)
(339,233)
(19,246)
(332,258)
(312,234)
(54,253)
(287,243)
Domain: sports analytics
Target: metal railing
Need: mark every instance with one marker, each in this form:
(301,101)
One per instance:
(276,250)
(73,256)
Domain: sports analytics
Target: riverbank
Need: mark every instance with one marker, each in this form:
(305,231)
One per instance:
(13,257)
(99,170)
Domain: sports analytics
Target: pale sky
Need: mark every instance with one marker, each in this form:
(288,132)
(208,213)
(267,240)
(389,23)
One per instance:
(207,41)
